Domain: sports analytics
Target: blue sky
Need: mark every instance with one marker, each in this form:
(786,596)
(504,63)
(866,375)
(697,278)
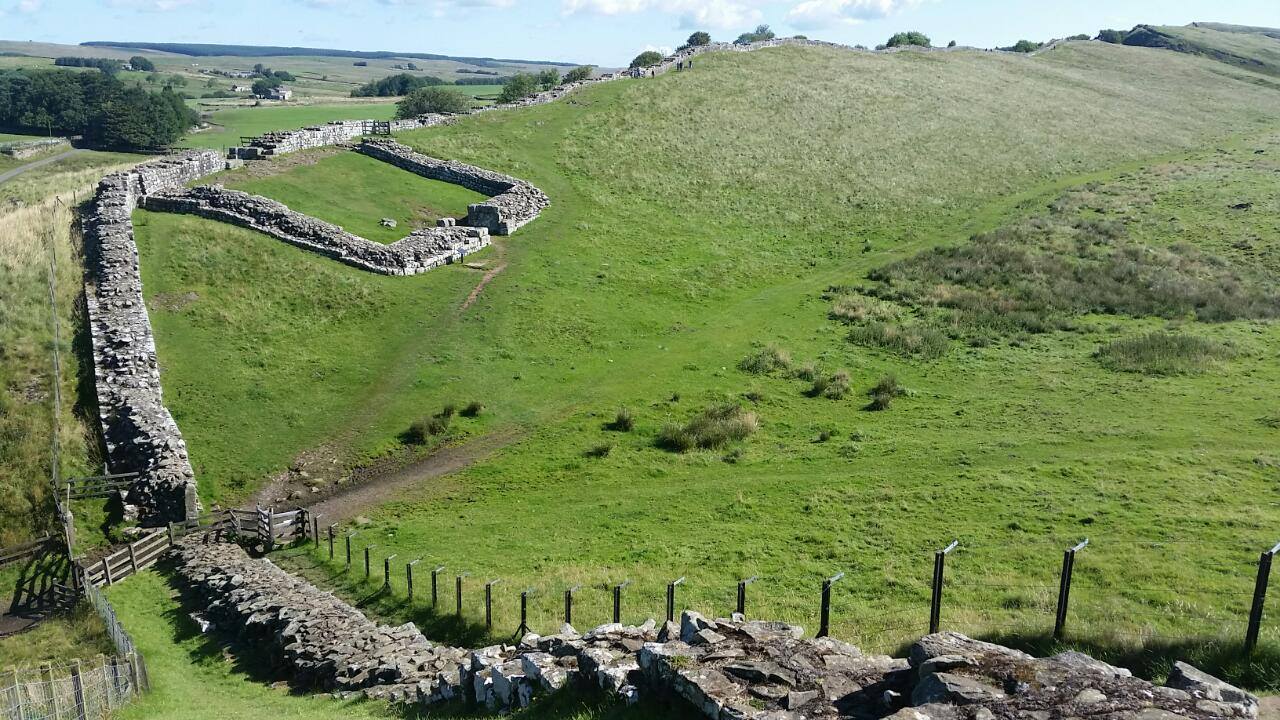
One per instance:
(602,32)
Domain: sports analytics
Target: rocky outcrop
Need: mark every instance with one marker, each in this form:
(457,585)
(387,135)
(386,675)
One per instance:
(513,203)
(140,434)
(726,667)
(420,251)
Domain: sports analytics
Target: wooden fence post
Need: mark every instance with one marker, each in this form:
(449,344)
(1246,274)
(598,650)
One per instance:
(77,689)
(331,527)
(824,621)
(671,599)
(135,674)
(1064,588)
(15,694)
(46,675)
(271,528)
(133,560)
(106,570)
(1259,598)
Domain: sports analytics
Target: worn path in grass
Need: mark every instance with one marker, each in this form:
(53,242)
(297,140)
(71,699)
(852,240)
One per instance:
(10,174)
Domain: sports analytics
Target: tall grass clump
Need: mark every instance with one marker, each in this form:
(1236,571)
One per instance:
(768,360)
(1162,353)
(834,386)
(919,341)
(884,392)
(623,421)
(710,429)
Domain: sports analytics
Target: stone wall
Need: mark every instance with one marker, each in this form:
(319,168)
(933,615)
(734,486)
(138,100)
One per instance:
(513,203)
(420,251)
(139,432)
(726,667)
(331,133)
(26,149)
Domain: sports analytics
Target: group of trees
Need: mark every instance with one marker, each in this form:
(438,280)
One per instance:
(762,32)
(106,65)
(265,72)
(432,99)
(396,85)
(141,64)
(906,39)
(96,105)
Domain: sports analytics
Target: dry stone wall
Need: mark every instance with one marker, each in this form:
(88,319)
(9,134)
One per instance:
(330,133)
(140,434)
(727,668)
(420,251)
(513,203)
(31,148)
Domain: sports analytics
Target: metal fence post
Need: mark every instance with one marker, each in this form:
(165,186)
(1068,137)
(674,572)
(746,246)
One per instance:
(935,599)
(331,527)
(824,621)
(1259,598)
(524,613)
(671,598)
(459,592)
(435,598)
(617,600)
(568,604)
(77,688)
(348,539)
(386,571)
(741,608)
(408,579)
(367,548)
(1064,588)
(488,603)
(315,530)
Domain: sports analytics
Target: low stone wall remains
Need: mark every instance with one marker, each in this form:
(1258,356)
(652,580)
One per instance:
(419,252)
(140,434)
(330,133)
(726,668)
(513,203)
(30,148)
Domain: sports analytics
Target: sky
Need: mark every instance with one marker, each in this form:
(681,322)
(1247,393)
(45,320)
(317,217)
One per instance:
(599,32)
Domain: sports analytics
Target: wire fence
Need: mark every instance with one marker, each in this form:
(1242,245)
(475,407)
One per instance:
(72,691)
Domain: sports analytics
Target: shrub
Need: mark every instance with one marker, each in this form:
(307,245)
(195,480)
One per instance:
(622,422)
(417,433)
(448,411)
(762,32)
(710,429)
(768,360)
(432,100)
(599,451)
(1025,46)
(645,59)
(833,386)
(912,37)
(1162,353)
(884,392)
(579,74)
(438,425)
(473,409)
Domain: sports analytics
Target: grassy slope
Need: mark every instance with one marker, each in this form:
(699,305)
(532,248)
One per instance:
(371,190)
(1254,50)
(692,217)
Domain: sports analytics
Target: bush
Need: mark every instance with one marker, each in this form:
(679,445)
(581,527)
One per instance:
(884,392)
(473,409)
(432,100)
(422,429)
(579,74)
(1025,46)
(912,37)
(622,422)
(448,411)
(645,59)
(762,32)
(710,429)
(833,386)
(768,360)
(438,425)
(1162,353)
(518,87)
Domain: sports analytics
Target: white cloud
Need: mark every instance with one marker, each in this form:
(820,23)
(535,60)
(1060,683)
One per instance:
(29,6)
(151,5)
(717,14)
(818,14)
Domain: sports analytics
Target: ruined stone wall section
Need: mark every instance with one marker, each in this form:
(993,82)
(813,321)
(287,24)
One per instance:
(30,148)
(421,251)
(513,203)
(727,668)
(139,432)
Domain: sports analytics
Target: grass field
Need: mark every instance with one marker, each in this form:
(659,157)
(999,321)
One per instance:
(1254,50)
(370,189)
(698,218)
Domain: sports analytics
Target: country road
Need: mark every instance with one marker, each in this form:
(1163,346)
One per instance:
(11,174)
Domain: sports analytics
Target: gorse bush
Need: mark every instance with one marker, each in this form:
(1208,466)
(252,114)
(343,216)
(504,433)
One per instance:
(1162,353)
(710,429)
(768,360)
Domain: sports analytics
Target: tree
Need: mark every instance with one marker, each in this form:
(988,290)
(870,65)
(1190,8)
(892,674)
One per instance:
(762,32)
(1025,46)
(392,85)
(951,44)
(262,86)
(548,78)
(698,39)
(433,99)
(141,64)
(518,86)
(912,37)
(284,75)
(1115,37)
(171,81)
(578,74)
(646,58)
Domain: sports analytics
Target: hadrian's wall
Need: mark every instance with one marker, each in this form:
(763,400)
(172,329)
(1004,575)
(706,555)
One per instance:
(726,667)
(420,251)
(512,204)
(31,148)
(140,434)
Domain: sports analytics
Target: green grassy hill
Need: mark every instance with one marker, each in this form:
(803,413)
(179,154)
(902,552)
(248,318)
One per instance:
(1256,49)
(702,216)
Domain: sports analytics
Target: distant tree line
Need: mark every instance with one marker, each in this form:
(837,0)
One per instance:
(480,81)
(96,105)
(396,85)
(106,65)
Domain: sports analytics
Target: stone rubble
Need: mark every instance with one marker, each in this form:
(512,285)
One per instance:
(140,434)
(417,253)
(512,202)
(727,668)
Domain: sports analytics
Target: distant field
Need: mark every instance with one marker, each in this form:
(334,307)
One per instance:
(6,138)
(232,123)
(371,190)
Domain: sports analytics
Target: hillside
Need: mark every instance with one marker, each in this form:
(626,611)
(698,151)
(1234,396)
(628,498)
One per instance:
(213,50)
(1256,49)
(701,217)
